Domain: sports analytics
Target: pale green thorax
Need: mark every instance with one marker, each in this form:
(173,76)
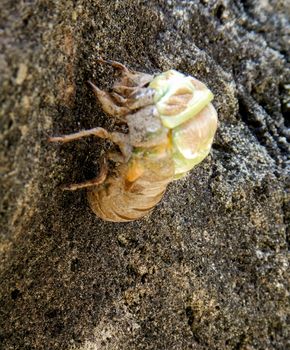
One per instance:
(183,103)
(168,85)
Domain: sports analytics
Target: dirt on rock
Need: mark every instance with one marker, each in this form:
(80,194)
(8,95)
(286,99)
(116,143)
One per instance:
(209,268)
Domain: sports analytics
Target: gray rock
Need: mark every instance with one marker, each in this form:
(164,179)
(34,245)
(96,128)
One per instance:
(208,269)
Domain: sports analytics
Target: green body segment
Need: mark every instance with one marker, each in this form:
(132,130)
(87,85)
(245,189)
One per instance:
(183,103)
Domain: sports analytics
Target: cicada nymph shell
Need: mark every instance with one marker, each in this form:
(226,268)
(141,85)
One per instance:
(171,126)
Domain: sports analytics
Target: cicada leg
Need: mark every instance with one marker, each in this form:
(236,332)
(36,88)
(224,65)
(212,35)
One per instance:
(118,138)
(122,140)
(114,64)
(99,132)
(108,104)
(131,81)
(93,182)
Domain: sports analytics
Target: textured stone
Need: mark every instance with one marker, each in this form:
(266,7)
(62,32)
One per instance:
(208,269)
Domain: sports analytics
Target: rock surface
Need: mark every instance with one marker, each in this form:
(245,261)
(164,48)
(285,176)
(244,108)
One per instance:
(208,269)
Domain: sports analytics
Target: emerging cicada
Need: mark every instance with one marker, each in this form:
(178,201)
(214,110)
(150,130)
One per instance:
(171,125)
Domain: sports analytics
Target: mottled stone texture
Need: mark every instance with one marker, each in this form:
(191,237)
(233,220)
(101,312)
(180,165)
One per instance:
(208,269)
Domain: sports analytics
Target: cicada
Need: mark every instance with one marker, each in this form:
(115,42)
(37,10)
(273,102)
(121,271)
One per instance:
(171,125)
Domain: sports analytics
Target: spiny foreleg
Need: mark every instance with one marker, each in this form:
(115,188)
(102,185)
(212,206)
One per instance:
(109,104)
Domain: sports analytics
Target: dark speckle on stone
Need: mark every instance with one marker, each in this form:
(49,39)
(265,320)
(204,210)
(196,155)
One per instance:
(15,294)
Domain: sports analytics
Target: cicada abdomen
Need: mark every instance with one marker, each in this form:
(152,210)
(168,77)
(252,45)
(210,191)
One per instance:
(135,188)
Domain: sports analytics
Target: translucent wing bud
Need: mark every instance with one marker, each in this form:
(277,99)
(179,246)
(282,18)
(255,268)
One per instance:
(192,140)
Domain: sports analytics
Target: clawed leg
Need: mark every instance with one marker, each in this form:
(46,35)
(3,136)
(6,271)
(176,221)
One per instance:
(99,132)
(129,92)
(108,104)
(130,79)
(118,138)
(93,182)
(119,104)
(138,78)
(114,64)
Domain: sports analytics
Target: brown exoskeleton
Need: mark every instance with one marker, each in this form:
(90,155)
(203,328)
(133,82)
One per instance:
(171,127)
